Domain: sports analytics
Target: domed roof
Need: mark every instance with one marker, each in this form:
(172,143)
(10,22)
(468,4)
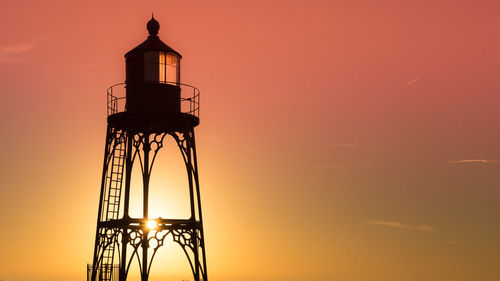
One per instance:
(153,26)
(153,43)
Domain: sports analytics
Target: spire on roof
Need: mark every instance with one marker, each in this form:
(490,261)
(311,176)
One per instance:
(153,26)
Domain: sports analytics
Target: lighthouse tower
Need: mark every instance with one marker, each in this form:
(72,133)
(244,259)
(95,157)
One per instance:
(155,106)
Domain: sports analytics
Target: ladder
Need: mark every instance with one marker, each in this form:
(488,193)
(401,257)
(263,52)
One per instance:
(114,180)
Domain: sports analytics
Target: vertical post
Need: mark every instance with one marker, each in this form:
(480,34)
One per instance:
(128,172)
(198,195)
(190,149)
(145,177)
(189,168)
(107,149)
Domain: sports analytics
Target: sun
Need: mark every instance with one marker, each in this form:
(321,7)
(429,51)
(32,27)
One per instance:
(151,224)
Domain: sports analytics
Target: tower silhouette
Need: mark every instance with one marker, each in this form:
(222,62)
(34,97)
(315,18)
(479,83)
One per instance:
(155,106)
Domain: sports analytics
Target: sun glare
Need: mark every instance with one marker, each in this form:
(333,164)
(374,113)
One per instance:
(151,224)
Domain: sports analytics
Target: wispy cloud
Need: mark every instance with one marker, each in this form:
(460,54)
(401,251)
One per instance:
(412,81)
(12,53)
(16,49)
(472,161)
(395,224)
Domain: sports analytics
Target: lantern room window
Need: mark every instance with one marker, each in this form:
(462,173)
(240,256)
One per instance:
(161,67)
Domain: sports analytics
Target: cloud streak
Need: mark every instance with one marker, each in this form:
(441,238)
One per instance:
(412,81)
(472,161)
(11,53)
(395,224)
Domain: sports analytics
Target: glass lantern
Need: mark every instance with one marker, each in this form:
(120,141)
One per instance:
(161,67)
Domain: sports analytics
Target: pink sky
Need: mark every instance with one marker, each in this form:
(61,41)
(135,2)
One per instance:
(339,140)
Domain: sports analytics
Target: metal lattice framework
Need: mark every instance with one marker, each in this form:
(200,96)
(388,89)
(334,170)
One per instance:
(123,240)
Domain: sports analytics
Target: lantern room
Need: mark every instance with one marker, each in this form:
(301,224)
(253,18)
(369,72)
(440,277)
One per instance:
(161,67)
(153,76)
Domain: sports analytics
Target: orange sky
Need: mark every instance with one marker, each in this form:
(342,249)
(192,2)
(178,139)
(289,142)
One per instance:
(339,140)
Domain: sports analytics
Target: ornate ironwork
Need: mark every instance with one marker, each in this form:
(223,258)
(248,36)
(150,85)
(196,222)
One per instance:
(127,240)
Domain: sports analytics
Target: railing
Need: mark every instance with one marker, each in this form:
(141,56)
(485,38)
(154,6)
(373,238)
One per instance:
(190,99)
(104,273)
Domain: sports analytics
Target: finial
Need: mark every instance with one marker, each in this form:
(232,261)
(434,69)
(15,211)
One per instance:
(153,26)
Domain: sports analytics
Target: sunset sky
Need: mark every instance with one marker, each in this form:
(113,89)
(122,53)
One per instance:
(339,140)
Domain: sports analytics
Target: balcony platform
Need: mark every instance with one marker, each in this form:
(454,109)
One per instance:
(154,123)
(120,118)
